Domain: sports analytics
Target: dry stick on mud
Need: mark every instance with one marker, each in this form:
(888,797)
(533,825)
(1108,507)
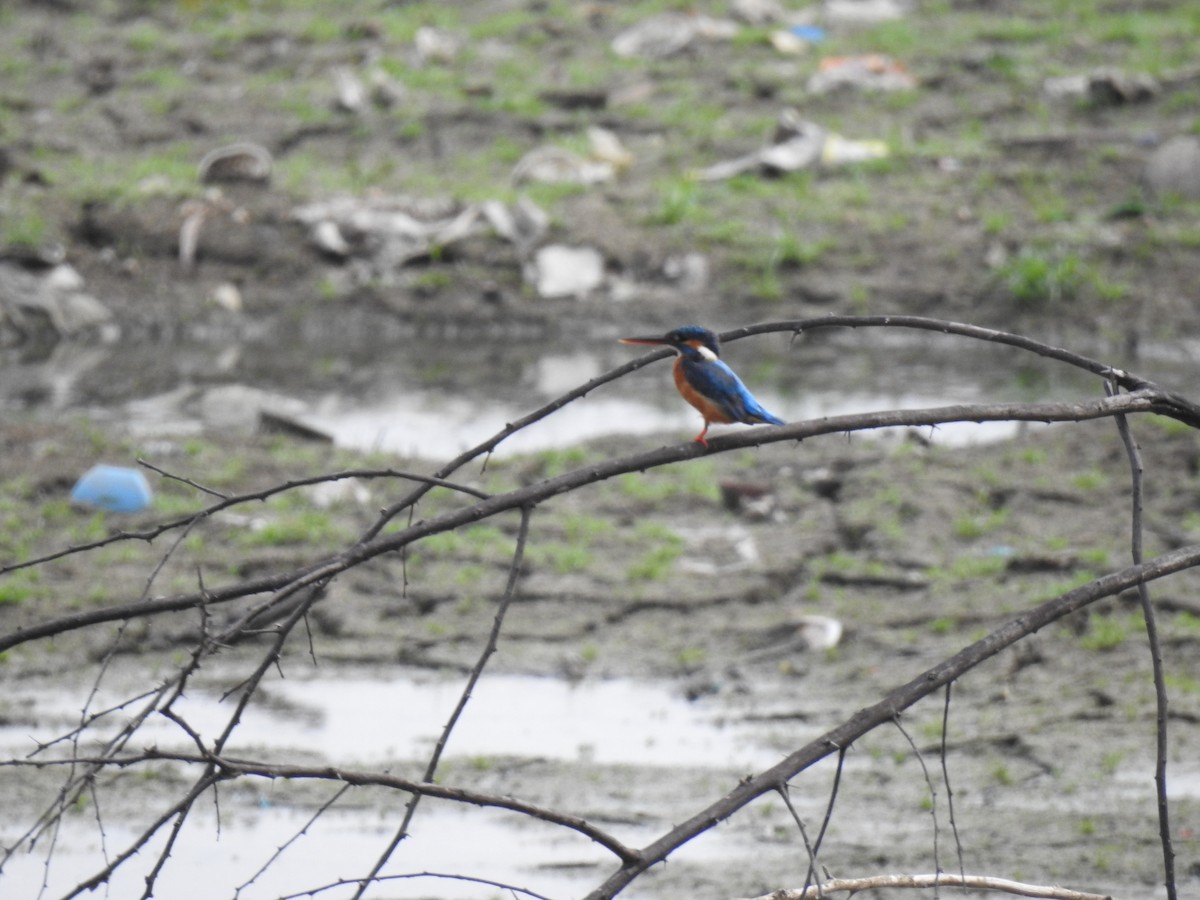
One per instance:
(976,882)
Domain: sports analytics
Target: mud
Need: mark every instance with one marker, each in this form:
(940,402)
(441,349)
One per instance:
(652,655)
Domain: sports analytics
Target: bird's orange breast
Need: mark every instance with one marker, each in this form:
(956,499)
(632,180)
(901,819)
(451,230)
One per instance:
(710,410)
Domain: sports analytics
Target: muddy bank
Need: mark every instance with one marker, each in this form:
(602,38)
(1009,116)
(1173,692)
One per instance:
(654,607)
(678,614)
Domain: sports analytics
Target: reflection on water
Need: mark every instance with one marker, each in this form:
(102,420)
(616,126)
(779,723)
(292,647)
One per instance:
(391,723)
(436,396)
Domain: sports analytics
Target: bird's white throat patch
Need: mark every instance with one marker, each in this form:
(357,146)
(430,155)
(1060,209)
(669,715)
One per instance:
(705,353)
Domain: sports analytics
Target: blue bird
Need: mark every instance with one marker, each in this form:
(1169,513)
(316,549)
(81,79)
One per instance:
(706,382)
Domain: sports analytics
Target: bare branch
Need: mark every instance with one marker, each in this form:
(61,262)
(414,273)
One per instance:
(946,777)
(230,767)
(885,710)
(1145,400)
(514,572)
(937,862)
(150,534)
(1160,685)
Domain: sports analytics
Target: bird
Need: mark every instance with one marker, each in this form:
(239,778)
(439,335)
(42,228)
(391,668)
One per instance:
(706,382)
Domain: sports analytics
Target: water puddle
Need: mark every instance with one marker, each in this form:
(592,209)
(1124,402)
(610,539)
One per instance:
(365,721)
(434,397)
(356,721)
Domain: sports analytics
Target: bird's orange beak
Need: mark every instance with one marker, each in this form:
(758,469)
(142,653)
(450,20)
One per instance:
(644,340)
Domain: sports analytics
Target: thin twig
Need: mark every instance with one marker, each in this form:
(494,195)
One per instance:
(811,875)
(808,847)
(937,862)
(148,535)
(958,848)
(510,589)
(1156,661)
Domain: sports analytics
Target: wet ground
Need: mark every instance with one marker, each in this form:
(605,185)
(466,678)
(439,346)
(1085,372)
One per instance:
(654,653)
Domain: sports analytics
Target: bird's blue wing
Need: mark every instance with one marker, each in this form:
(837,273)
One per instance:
(720,384)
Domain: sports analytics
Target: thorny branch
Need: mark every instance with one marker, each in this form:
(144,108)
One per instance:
(286,597)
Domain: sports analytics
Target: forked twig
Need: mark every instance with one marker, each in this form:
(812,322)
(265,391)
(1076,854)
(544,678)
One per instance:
(510,589)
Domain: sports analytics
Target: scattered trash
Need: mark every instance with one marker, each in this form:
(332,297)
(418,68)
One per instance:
(757,12)
(754,500)
(689,271)
(658,37)
(383,233)
(797,144)
(786,42)
(556,165)
(195,213)
(328,237)
(49,303)
(522,224)
(870,72)
(558,271)
(842,151)
(242,161)
(227,296)
(242,409)
(386,91)
(814,34)
(819,632)
(604,145)
(718,549)
(865,12)
(272,422)
(797,633)
(435,45)
(1174,168)
(351,92)
(344,491)
(606,157)
(1104,87)
(113,488)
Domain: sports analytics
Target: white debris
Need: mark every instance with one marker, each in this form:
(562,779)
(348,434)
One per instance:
(435,45)
(560,271)
(243,161)
(797,144)
(658,37)
(351,93)
(865,12)
(1174,168)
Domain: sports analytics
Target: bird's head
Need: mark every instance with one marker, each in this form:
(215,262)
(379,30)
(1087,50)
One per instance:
(688,340)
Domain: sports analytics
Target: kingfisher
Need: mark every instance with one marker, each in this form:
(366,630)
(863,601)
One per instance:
(706,382)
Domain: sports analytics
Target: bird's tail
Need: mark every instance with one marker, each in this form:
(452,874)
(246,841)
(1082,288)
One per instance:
(762,417)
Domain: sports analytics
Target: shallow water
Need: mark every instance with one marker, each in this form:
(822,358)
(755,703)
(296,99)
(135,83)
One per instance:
(389,723)
(436,396)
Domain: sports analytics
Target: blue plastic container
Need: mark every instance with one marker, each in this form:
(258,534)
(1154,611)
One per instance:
(114,488)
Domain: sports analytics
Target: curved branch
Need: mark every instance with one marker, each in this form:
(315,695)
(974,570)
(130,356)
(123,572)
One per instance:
(885,710)
(150,534)
(227,767)
(1141,401)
